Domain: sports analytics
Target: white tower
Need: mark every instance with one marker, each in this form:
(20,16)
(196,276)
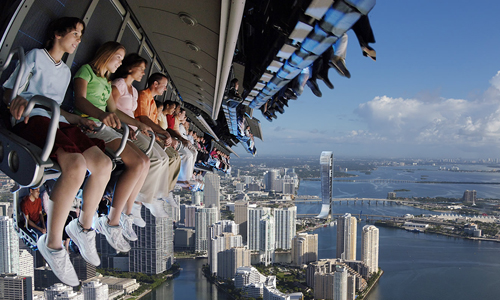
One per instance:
(326,171)
(369,247)
(346,237)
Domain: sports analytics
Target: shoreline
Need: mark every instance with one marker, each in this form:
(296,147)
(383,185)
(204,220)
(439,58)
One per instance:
(388,225)
(367,291)
(149,290)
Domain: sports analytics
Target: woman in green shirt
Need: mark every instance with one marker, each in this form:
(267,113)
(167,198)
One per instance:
(93,98)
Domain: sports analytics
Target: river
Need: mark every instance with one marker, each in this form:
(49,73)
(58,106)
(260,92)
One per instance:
(416,266)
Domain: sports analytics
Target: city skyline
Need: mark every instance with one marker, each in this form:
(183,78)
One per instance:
(424,95)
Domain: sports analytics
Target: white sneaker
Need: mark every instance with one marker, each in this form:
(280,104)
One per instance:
(136,212)
(59,262)
(113,234)
(127,230)
(157,208)
(85,240)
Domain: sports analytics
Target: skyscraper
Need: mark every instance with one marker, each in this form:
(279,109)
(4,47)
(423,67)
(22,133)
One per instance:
(230,260)
(304,248)
(212,190)
(267,239)
(470,196)
(205,217)
(271,181)
(369,247)
(15,287)
(255,214)
(9,251)
(340,283)
(284,220)
(326,172)
(26,265)
(240,217)
(223,235)
(153,252)
(346,237)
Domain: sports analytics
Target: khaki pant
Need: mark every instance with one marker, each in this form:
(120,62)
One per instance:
(155,186)
(174,167)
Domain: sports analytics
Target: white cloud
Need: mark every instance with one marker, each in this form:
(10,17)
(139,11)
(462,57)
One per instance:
(439,121)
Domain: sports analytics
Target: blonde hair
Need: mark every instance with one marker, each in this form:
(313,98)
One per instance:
(103,56)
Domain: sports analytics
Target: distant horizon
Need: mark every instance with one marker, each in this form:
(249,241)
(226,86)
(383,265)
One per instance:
(341,157)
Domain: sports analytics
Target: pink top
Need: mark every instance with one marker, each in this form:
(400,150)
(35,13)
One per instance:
(127,102)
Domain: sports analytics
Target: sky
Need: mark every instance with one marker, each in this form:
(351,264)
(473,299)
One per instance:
(434,91)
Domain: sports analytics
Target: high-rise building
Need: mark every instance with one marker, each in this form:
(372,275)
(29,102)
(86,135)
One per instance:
(304,249)
(326,172)
(83,269)
(26,265)
(271,180)
(323,285)
(189,215)
(240,217)
(95,290)
(329,266)
(240,187)
(253,187)
(470,196)
(369,247)
(230,260)
(5,209)
(15,287)
(212,190)
(340,283)
(331,285)
(9,249)
(255,214)
(267,239)
(153,252)
(205,217)
(223,235)
(219,243)
(288,185)
(45,278)
(284,220)
(346,237)
(247,179)
(184,239)
(196,198)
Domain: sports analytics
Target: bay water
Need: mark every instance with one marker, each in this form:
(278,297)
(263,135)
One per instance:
(416,266)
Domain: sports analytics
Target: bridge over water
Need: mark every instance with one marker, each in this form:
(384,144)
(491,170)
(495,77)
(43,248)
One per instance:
(355,215)
(362,200)
(381,180)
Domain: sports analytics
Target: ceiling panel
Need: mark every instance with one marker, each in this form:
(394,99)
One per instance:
(171,35)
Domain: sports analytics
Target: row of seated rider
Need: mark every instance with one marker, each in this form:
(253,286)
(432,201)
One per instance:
(220,160)
(244,132)
(172,118)
(333,57)
(77,151)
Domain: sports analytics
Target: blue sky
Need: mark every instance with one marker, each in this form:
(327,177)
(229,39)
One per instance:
(433,91)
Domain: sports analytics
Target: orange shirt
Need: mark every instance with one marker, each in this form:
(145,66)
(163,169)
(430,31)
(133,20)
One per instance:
(146,106)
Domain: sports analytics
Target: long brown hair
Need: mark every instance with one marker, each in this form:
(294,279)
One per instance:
(102,57)
(129,62)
